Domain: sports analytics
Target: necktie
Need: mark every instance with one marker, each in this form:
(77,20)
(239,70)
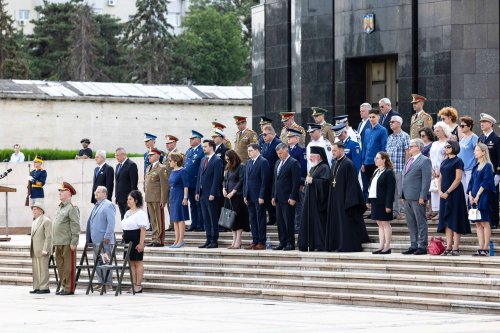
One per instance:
(250,163)
(408,165)
(206,163)
(97,171)
(383,119)
(118,168)
(279,167)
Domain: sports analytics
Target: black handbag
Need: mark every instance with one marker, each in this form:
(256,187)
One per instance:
(227,217)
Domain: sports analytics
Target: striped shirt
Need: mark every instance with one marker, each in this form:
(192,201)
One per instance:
(397,144)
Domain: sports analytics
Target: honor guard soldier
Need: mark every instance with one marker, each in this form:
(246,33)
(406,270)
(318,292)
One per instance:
(37,178)
(326,128)
(155,195)
(420,119)
(220,126)
(150,142)
(65,235)
(244,137)
(263,122)
(351,147)
(344,119)
(288,120)
(318,140)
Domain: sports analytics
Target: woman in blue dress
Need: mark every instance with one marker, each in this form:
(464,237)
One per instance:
(453,219)
(481,192)
(179,182)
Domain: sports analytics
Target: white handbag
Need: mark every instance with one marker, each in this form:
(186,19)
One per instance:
(474,214)
(434,185)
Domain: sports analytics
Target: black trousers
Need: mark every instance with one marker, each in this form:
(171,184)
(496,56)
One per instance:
(123,208)
(285,218)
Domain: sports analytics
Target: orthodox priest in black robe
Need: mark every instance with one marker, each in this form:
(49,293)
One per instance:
(314,212)
(345,226)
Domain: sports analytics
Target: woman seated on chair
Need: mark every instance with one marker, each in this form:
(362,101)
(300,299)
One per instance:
(134,225)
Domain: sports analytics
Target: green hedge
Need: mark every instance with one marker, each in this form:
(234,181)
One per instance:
(50,154)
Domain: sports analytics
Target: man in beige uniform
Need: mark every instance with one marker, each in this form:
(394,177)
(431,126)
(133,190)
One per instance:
(171,144)
(155,192)
(288,120)
(244,137)
(65,231)
(421,118)
(40,249)
(326,128)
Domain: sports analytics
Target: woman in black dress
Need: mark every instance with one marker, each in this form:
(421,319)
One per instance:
(232,191)
(381,197)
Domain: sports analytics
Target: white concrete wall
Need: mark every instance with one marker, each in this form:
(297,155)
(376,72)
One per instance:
(78,173)
(63,123)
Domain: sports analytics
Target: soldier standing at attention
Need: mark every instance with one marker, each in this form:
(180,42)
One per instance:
(421,118)
(66,230)
(263,122)
(288,120)
(244,137)
(326,128)
(150,142)
(155,192)
(221,127)
(40,249)
(37,178)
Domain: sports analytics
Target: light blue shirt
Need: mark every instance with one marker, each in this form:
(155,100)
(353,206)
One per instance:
(467,146)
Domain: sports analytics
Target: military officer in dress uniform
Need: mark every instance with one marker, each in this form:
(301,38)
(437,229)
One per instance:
(317,139)
(421,118)
(192,162)
(219,137)
(263,122)
(344,119)
(326,128)
(37,178)
(40,248)
(150,142)
(351,148)
(65,234)
(171,145)
(299,153)
(220,126)
(288,120)
(244,137)
(155,195)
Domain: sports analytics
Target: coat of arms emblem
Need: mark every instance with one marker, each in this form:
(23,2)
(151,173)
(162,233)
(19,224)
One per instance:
(369,23)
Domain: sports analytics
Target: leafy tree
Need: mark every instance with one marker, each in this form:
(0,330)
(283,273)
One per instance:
(211,47)
(111,56)
(148,41)
(12,62)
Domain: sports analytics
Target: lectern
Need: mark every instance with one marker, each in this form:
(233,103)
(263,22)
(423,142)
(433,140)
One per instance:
(6,190)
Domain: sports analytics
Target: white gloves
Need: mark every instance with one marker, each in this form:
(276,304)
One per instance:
(497,179)
(31,179)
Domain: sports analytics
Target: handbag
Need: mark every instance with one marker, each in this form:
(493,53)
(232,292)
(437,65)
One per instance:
(474,214)
(227,217)
(434,185)
(436,246)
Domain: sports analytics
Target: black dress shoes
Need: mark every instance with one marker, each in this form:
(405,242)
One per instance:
(386,252)
(34,291)
(212,246)
(157,245)
(66,293)
(43,291)
(377,251)
(278,248)
(289,247)
(409,251)
(420,252)
(204,245)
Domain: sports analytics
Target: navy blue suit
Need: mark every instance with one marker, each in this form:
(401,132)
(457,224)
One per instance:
(493,144)
(386,121)
(210,183)
(269,153)
(192,166)
(362,132)
(105,176)
(257,175)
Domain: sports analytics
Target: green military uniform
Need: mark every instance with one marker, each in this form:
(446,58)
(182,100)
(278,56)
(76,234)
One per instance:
(65,232)
(155,193)
(294,126)
(418,122)
(326,131)
(243,139)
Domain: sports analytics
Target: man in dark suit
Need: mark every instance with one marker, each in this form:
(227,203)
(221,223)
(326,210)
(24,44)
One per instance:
(257,175)
(299,153)
(208,191)
(492,141)
(386,113)
(269,153)
(285,196)
(126,178)
(103,175)
(364,112)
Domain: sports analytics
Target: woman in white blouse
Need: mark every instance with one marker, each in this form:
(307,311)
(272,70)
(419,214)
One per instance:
(437,155)
(134,225)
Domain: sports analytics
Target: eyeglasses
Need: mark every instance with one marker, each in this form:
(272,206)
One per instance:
(266,134)
(423,135)
(463,125)
(447,147)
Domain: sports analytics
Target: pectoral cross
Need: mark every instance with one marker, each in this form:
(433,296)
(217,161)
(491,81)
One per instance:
(334,182)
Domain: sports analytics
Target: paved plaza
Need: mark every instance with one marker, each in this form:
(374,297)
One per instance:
(149,312)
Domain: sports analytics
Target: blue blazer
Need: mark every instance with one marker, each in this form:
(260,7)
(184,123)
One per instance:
(269,152)
(362,133)
(192,164)
(101,223)
(39,179)
(210,178)
(375,141)
(257,177)
(299,153)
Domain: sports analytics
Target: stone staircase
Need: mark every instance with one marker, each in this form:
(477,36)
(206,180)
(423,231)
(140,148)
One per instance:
(462,284)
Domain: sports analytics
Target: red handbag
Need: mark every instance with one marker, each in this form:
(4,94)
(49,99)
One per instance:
(436,246)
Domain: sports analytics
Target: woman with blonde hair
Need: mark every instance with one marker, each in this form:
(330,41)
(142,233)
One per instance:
(449,115)
(481,192)
(437,155)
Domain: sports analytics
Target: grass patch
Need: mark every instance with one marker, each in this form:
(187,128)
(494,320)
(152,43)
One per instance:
(52,154)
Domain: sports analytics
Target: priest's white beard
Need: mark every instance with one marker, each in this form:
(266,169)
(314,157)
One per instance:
(313,164)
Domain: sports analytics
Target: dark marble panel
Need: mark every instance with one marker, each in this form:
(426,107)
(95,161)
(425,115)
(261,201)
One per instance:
(319,7)
(457,86)
(463,12)
(434,38)
(489,106)
(476,36)
(277,100)
(308,27)
(457,37)
(325,72)
(487,61)
(475,86)
(277,56)
(493,86)
(425,64)
(339,69)
(493,33)
(339,25)
(446,37)
(258,105)
(487,11)
(465,107)
(324,25)
(340,92)
(342,5)
(404,40)
(321,94)
(277,78)
(309,72)
(442,63)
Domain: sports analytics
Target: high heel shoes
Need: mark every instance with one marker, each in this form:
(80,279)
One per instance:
(377,251)
(389,251)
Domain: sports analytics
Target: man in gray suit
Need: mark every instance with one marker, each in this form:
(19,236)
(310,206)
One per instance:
(101,227)
(416,182)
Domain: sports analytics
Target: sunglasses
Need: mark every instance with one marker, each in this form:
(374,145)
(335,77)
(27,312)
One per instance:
(447,147)
(463,125)
(423,135)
